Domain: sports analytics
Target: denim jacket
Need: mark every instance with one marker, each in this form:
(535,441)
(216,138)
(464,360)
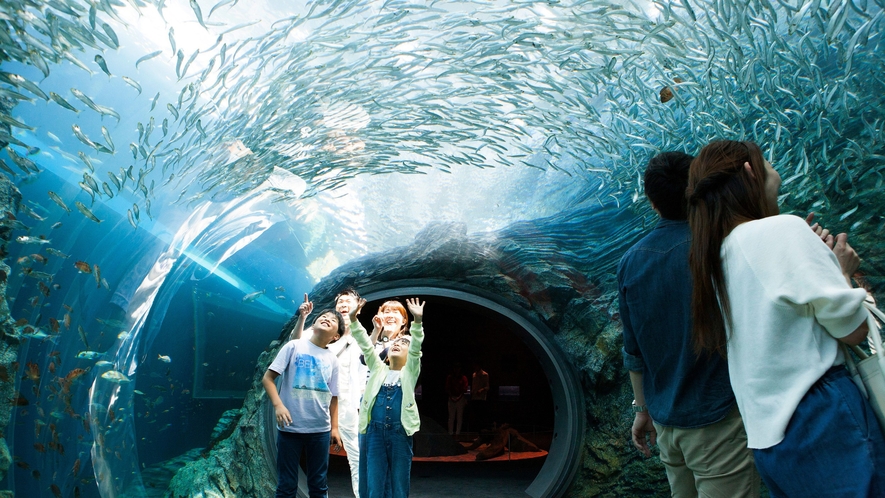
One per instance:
(654,294)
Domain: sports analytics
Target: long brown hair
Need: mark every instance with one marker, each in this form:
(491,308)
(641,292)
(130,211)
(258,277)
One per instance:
(721,195)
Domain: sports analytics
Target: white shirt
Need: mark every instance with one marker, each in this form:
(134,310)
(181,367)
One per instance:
(789,301)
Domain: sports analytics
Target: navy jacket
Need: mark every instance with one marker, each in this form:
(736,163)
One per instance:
(654,294)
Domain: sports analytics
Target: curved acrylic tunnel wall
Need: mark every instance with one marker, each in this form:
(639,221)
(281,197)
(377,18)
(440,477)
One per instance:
(188,170)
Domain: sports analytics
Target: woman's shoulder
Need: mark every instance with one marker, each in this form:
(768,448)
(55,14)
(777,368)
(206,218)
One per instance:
(781,224)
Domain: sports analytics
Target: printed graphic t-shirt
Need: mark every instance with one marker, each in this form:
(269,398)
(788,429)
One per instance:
(309,380)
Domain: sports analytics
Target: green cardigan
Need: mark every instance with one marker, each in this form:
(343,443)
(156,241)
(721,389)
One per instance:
(378,372)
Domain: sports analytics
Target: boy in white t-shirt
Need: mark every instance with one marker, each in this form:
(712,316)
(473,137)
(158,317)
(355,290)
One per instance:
(307,407)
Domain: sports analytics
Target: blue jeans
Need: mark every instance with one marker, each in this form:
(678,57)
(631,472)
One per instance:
(833,445)
(387,453)
(316,448)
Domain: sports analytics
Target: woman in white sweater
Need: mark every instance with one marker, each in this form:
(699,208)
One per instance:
(776,297)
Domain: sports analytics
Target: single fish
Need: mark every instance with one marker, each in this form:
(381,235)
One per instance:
(107,189)
(148,57)
(154,101)
(173,110)
(115,180)
(55,198)
(56,252)
(82,136)
(164,358)
(248,298)
(21,82)
(27,239)
(131,217)
(111,34)
(62,102)
(5,167)
(89,355)
(107,136)
(199,13)
(86,212)
(14,122)
(131,82)
(102,64)
(172,39)
(97,274)
(115,377)
(83,267)
(86,161)
(82,336)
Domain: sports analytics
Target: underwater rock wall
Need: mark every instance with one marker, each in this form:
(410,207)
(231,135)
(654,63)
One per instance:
(9,345)
(560,270)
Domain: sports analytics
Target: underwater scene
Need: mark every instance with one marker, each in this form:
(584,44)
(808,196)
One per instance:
(181,173)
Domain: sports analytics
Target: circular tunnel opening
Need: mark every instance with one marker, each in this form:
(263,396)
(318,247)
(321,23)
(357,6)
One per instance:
(533,390)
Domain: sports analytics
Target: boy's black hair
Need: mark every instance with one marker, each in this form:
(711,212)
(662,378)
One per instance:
(666,178)
(338,315)
(345,291)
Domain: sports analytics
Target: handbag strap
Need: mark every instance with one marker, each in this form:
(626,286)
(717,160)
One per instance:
(874,335)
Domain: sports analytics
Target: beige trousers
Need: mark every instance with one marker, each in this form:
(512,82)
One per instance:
(711,461)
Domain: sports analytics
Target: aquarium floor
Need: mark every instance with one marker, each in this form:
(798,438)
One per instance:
(452,479)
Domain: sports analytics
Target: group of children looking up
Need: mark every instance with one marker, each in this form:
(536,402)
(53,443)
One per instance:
(326,398)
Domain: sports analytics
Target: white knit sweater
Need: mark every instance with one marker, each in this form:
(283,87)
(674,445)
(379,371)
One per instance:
(789,301)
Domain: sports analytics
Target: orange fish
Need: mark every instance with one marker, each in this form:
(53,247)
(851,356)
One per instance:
(39,447)
(55,490)
(32,371)
(54,325)
(97,275)
(20,400)
(21,321)
(51,367)
(23,465)
(23,260)
(67,321)
(76,469)
(44,289)
(38,258)
(35,301)
(83,267)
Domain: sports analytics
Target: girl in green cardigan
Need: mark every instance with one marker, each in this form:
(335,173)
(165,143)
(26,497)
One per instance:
(388,414)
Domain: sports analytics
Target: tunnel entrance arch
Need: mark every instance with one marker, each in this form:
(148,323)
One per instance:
(563,459)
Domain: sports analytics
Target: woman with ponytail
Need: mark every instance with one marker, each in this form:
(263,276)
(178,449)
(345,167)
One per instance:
(774,297)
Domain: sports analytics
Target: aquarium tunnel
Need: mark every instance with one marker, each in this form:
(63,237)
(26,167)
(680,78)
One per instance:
(178,175)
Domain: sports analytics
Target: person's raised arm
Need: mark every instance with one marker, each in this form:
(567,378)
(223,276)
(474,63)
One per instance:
(416,308)
(305,309)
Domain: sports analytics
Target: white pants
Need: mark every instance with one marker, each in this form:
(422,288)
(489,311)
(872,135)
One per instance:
(348,428)
(456,409)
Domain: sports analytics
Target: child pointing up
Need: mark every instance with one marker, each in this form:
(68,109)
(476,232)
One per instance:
(388,414)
